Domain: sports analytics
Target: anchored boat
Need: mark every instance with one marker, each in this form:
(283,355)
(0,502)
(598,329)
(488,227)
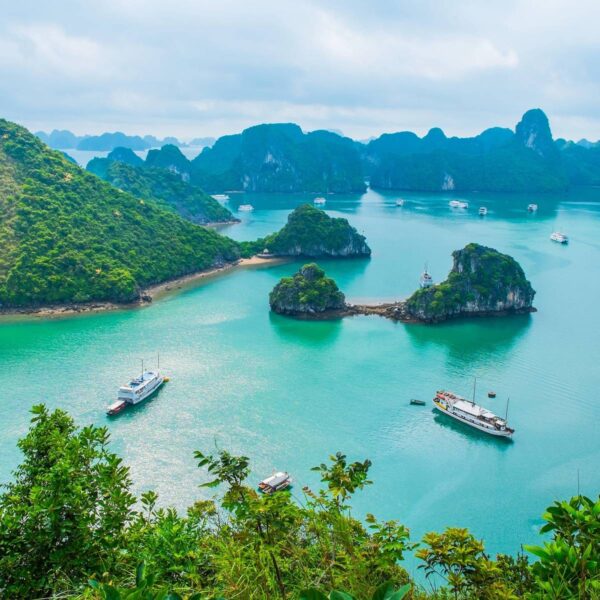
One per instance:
(246,207)
(426,279)
(472,414)
(458,204)
(532,207)
(559,237)
(320,201)
(482,211)
(137,390)
(277,482)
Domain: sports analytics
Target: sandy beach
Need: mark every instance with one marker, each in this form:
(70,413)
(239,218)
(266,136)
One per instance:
(147,295)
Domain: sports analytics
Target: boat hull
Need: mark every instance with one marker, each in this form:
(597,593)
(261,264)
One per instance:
(147,393)
(474,425)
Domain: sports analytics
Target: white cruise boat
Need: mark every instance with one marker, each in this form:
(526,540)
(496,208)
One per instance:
(458,204)
(472,414)
(559,237)
(278,481)
(141,387)
(246,207)
(482,211)
(220,197)
(399,202)
(532,207)
(320,201)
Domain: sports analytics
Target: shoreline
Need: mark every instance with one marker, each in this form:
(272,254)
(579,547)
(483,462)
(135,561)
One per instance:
(396,311)
(147,294)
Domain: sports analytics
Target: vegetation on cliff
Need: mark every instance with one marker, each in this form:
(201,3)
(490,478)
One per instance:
(496,160)
(69,517)
(308,291)
(121,169)
(280,158)
(311,232)
(482,281)
(67,236)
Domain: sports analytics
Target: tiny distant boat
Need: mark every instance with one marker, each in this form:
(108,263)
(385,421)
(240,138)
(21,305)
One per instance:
(426,279)
(416,402)
(221,197)
(399,202)
(458,204)
(265,254)
(275,483)
(559,237)
(137,390)
(483,211)
(532,207)
(472,414)
(245,207)
(491,394)
(320,201)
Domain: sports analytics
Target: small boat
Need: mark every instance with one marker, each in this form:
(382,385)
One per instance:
(482,211)
(469,413)
(400,202)
(220,197)
(116,407)
(416,402)
(458,204)
(319,201)
(426,279)
(559,237)
(532,207)
(491,394)
(275,483)
(245,207)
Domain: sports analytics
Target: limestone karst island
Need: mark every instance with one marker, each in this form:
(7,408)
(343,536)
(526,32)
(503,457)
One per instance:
(298,300)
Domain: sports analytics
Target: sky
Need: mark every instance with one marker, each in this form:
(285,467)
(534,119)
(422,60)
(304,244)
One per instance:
(206,68)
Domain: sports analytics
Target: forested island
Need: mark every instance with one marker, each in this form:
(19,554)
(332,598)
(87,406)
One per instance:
(71,527)
(311,232)
(482,282)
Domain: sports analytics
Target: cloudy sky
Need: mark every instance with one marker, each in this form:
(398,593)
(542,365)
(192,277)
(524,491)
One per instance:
(208,67)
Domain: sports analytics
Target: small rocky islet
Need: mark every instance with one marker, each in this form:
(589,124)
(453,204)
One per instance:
(482,282)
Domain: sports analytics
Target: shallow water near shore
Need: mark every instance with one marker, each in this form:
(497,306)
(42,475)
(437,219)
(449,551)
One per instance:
(287,393)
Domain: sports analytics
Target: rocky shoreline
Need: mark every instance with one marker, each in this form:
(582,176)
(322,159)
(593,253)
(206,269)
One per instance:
(147,295)
(397,312)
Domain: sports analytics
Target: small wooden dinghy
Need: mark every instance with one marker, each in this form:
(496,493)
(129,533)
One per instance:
(276,482)
(417,402)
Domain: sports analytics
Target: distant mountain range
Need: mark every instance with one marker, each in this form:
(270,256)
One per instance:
(67,140)
(282,158)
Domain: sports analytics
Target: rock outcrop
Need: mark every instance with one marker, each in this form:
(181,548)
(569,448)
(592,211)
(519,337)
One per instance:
(307,292)
(313,233)
(482,281)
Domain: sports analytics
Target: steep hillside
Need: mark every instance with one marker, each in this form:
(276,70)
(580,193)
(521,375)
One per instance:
(496,160)
(280,158)
(126,171)
(67,236)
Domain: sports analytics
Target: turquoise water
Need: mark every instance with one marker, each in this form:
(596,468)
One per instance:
(287,393)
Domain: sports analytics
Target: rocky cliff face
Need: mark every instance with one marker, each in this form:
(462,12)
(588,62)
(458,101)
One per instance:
(482,281)
(533,132)
(307,292)
(312,232)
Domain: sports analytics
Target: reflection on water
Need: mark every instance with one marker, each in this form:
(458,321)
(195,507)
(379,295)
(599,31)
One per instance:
(319,333)
(468,342)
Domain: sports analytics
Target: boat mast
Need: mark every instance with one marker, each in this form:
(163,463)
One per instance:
(506,415)
(158,361)
(474,387)
(142,366)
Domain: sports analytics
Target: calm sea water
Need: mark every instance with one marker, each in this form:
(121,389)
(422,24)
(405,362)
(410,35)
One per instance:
(288,393)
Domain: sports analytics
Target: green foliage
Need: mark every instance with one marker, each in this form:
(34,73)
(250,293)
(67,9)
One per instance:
(280,158)
(385,591)
(482,279)
(67,236)
(307,291)
(569,565)
(65,513)
(309,231)
(165,187)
